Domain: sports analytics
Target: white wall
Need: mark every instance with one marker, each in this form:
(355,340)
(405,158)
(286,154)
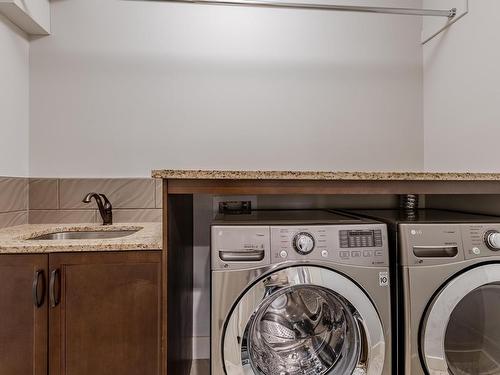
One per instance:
(122,87)
(462,93)
(14,100)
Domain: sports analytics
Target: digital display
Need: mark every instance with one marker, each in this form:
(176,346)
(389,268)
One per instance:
(360,238)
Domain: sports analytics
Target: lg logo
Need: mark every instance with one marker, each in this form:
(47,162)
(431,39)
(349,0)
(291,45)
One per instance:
(415,232)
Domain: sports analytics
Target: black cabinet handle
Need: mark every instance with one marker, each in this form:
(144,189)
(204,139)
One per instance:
(54,296)
(38,283)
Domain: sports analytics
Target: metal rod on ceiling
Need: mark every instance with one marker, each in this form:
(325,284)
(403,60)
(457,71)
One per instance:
(343,8)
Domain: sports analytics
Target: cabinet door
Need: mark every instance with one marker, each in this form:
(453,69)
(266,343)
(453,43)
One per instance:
(23,315)
(105,313)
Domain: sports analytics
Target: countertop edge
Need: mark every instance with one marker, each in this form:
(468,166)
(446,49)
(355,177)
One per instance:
(33,250)
(16,239)
(174,174)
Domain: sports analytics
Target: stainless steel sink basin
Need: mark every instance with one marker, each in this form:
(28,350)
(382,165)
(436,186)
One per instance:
(85,235)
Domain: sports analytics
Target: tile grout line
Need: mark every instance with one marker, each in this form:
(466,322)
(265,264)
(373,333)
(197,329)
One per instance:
(13,212)
(27,208)
(156,198)
(58,195)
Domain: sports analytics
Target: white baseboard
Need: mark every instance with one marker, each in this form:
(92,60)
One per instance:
(201,347)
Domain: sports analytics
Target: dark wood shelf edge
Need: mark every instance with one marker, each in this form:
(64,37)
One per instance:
(323,187)
(177,283)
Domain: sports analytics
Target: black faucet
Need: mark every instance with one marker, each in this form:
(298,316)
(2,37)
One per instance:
(106,210)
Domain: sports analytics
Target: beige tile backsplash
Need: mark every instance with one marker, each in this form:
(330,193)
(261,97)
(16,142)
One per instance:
(13,201)
(13,194)
(62,216)
(159,192)
(123,193)
(52,200)
(44,194)
(137,215)
(60,200)
(9,219)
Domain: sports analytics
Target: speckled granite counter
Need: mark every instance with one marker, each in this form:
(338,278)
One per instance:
(321,176)
(16,240)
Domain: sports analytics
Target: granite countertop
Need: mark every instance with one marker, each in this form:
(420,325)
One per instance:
(16,240)
(321,176)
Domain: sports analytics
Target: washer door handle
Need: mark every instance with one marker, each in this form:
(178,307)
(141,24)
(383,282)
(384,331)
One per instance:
(435,251)
(241,256)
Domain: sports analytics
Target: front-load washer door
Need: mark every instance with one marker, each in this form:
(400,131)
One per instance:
(461,332)
(303,320)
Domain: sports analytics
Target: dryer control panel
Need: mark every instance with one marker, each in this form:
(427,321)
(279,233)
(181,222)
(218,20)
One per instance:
(481,240)
(434,244)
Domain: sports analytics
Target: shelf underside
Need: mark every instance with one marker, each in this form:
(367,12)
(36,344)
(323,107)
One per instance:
(313,187)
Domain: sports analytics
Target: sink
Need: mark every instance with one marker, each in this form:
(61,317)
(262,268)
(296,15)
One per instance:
(85,235)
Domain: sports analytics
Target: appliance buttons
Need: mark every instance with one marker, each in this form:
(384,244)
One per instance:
(283,254)
(367,253)
(344,254)
(476,250)
(378,253)
(324,253)
(356,254)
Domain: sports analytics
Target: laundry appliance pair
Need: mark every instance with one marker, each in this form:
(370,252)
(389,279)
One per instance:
(309,292)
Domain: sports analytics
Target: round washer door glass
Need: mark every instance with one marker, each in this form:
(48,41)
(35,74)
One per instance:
(304,330)
(303,320)
(472,339)
(462,329)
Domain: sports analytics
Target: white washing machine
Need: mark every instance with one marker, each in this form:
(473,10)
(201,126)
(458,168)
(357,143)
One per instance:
(300,293)
(449,267)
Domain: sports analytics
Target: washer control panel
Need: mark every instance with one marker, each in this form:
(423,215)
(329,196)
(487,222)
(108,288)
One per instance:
(360,238)
(354,244)
(238,247)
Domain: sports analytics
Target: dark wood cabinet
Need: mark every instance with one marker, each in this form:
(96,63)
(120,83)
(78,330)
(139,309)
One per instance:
(23,321)
(101,314)
(107,314)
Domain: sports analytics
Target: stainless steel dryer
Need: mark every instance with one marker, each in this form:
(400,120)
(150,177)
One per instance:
(299,293)
(449,264)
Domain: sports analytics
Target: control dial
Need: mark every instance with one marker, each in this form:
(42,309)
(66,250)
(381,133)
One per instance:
(492,239)
(303,243)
